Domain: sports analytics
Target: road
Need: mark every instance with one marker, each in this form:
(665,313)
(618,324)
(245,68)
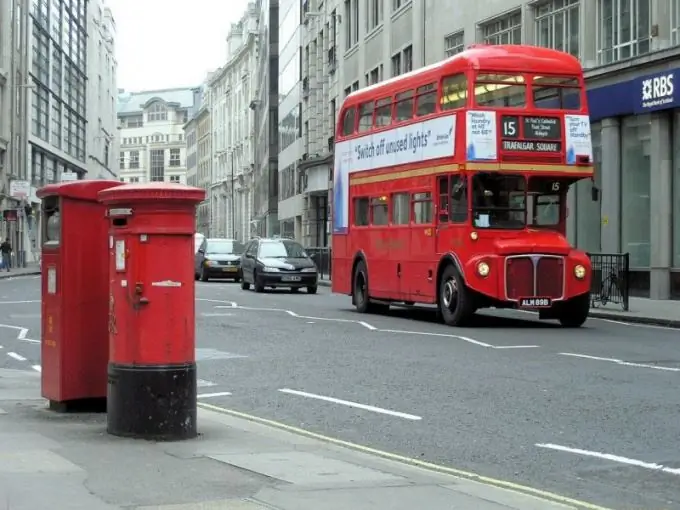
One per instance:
(591,414)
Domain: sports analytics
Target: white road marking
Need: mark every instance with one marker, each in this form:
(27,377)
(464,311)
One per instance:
(19,302)
(202,383)
(16,356)
(621,362)
(37,368)
(445,335)
(352,404)
(217,394)
(613,458)
(612,321)
(217,314)
(22,333)
(515,346)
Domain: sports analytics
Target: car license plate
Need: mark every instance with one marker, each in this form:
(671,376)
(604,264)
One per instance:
(229,269)
(290,278)
(535,302)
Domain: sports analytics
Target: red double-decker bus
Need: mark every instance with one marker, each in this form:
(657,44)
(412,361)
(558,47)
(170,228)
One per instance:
(450,186)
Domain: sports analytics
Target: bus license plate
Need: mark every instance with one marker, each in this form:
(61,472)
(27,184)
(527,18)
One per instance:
(535,302)
(290,278)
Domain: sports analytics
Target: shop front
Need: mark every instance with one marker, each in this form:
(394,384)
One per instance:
(635,117)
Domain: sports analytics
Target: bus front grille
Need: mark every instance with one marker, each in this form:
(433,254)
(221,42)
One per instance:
(534,276)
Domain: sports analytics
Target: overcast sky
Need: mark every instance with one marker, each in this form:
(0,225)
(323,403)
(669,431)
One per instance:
(163,43)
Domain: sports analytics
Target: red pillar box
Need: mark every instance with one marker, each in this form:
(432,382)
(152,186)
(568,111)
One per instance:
(152,367)
(75,292)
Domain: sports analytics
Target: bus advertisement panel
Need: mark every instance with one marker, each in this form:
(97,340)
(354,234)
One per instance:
(450,187)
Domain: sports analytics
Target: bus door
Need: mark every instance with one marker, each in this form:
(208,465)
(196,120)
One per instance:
(452,213)
(421,266)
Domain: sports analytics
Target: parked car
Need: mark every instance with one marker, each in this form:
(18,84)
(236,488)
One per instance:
(278,263)
(218,258)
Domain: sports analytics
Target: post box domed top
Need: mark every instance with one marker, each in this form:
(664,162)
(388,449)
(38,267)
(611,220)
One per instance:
(152,191)
(77,190)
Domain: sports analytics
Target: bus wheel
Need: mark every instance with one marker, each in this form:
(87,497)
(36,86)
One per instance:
(360,288)
(575,312)
(454,300)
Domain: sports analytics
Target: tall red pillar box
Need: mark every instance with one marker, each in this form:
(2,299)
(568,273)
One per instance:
(152,364)
(75,291)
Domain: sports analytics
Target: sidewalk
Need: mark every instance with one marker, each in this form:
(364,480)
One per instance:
(642,311)
(50,460)
(30,269)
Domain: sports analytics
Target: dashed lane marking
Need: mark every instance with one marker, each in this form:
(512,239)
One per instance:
(16,356)
(213,395)
(621,362)
(233,305)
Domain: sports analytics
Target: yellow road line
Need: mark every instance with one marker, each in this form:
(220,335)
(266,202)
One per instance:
(503,484)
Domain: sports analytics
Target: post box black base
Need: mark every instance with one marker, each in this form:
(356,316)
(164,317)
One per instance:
(152,402)
(82,405)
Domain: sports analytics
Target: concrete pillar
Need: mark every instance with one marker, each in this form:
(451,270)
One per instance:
(611,186)
(588,33)
(661,204)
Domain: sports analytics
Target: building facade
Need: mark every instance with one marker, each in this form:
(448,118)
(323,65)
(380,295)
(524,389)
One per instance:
(102,91)
(631,52)
(232,90)
(152,143)
(266,109)
(204,156)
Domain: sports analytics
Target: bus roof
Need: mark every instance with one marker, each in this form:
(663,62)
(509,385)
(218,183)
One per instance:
(511,58)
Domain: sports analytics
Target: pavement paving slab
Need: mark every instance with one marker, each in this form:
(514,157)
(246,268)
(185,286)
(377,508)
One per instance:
(235,464)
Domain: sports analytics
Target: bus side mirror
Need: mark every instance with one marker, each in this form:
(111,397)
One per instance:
(595,194)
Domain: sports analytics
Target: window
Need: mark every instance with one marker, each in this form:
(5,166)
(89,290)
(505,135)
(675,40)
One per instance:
(348,121)
(454,92)
(134,159)
(556,93)
(546,197)
(408,59)
(134,179)
(422,208)
(361,212)
(557,25)
(174,157)
(379,211)
(675,25)
(281,249)
(624,29)
(504,30)
(453,199)
(396,64)
(157,170)
(351,21)
(500,90)
(398,4)
(121,160)
(375,75)
(40,113)
(426,100)
(401,214)
(454,43)
(374,14)
(366,116)
(404,106)
(499,201)
(383,112)
(157,112)
(226,247)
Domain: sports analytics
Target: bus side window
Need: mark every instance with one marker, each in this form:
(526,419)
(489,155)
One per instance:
(383,112)
(454,92)
(426,102)
(379,211)
(404,106)
(361,212)
(400,208)
(459,199)
(422,208)
(443,211)
(348,121)
(366,116)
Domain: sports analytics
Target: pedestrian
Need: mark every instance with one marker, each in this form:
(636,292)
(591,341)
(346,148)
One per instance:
(6,250)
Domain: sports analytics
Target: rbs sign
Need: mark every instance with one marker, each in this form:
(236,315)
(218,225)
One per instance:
(657,92)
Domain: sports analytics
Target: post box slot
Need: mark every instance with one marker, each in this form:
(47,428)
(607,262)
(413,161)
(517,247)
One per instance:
(119,222)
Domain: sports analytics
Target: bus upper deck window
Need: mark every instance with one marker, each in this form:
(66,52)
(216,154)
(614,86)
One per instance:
(454,92)
(383,112)
(366,116)
(556,92)
(500,90)
(404,108)
(348,121)
(426,100)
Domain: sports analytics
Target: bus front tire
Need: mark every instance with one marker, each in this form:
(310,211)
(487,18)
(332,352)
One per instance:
(575,312)
(455,304)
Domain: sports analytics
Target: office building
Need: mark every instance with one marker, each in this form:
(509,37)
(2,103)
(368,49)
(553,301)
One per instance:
(152,143)
(102,91)
(266,109)
(232,89)
(631,54)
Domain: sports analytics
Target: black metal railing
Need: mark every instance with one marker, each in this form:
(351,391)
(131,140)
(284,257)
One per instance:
(322,258)
(611,280)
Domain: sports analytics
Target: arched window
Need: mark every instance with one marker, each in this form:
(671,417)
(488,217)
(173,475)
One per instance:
(157,112)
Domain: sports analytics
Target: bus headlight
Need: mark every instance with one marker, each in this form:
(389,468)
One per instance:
(580,272)
(483,269)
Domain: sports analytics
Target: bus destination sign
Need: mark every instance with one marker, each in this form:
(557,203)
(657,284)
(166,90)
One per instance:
(531,134)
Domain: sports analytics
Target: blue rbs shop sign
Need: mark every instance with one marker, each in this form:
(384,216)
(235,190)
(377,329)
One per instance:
(644,94)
